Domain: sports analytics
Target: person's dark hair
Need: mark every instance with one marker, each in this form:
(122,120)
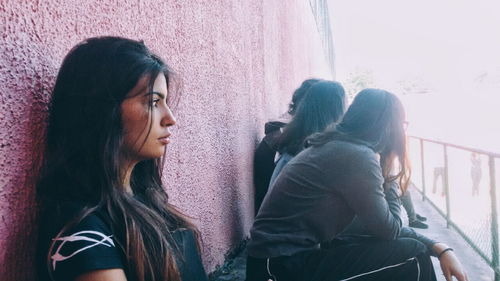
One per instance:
(299,93)
(323,104)
(82,156)
(377,118)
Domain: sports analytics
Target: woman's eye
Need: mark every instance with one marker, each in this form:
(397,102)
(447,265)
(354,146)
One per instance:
(155,102)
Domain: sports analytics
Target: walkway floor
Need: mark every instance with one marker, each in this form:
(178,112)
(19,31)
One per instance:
(476,267)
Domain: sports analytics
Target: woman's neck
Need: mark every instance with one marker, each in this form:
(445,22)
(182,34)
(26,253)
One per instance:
(127,173)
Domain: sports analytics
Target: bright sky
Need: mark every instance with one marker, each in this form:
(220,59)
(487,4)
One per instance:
(451,48)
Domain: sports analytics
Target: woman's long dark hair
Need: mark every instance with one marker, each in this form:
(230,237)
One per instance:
(375,117)
(321,105)
(82,158)
(299,93)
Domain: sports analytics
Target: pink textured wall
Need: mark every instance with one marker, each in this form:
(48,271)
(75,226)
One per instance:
(239,60)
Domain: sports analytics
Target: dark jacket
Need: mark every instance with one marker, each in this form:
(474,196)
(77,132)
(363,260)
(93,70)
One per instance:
(317,195)
(263,164)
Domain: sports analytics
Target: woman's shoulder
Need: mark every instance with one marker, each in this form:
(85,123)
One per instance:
(65,213)
(71,246)
(347,149)
(355,145)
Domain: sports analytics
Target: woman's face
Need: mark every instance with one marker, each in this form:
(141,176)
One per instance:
(143,110)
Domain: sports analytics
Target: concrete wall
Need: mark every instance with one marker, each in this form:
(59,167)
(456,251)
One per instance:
(239,61)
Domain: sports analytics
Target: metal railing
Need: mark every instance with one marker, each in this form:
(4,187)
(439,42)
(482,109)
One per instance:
(493,262)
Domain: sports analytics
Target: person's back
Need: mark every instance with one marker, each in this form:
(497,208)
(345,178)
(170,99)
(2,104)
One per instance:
(265,153)
(345,172)
(322,106)
(317,196)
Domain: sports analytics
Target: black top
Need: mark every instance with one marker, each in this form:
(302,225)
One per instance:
(89,245)
(92,245)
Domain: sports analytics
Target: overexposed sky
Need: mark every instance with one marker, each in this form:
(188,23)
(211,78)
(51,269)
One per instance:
(449,47)
(444,39)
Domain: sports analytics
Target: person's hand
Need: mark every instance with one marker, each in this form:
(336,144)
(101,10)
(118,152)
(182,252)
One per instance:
(450,265)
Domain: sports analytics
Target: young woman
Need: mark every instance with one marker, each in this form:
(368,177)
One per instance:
(346,172)
(323,105)
(105,212)
(265,154)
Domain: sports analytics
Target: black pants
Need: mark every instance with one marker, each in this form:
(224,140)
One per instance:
(404,259)
(407,203)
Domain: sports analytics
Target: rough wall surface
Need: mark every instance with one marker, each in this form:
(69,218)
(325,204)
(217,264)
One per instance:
(239,62)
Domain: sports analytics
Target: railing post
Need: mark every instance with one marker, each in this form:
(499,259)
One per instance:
(446,186)
(494,218)
(492,260)
(423,167)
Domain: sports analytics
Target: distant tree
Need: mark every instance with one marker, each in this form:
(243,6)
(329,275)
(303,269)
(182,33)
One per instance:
(412,86)
(357,81)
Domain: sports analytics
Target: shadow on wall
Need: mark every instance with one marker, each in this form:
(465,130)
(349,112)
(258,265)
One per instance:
(28,79)
(235,206)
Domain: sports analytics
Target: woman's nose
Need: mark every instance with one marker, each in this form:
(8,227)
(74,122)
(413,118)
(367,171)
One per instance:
(168,118)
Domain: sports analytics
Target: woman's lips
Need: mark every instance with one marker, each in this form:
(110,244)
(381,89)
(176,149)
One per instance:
(164,140)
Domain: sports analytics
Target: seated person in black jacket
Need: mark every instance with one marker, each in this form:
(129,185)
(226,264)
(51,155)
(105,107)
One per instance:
(265,152)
